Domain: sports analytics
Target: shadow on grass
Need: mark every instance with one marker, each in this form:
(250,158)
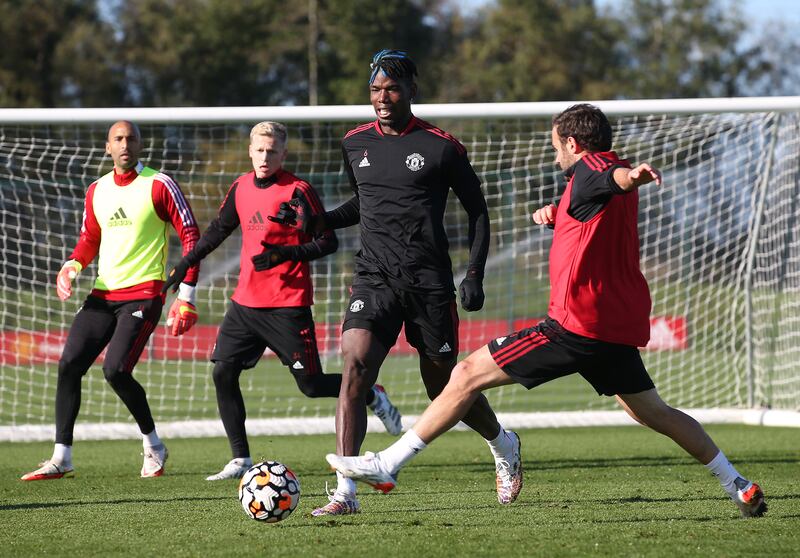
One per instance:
(608,463)
(353,521)
(46,505)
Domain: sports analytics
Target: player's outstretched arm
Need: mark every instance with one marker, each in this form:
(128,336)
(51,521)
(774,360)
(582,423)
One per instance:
(631,179)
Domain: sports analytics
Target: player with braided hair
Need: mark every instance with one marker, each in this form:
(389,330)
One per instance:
(401,170)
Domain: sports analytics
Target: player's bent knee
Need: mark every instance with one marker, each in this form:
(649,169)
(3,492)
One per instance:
(310,386)
(464,377)
(357,378)
(225,374)
(116,375)
(433,391)
(70,369)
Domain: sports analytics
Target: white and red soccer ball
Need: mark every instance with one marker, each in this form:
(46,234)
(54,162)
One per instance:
(269,492)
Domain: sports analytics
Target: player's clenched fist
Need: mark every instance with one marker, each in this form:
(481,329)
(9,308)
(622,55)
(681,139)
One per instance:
(69,271)
(545,215)
(181,317)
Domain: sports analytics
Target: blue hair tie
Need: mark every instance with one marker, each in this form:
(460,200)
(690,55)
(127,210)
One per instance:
(379,57)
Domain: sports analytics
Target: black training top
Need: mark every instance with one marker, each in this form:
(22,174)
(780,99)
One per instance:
(401,185)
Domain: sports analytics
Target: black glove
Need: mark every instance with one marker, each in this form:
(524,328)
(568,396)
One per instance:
(176,275)
(294,213)
(271,256)
(471,291)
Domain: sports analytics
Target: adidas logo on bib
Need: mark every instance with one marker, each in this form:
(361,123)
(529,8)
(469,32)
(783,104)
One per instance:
(445,348)
(297,365)
(119,219)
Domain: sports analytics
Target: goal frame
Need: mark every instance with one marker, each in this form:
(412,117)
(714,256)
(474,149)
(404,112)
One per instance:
(339,113)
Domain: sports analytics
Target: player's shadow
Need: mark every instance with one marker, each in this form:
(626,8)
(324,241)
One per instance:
(47,505)
(602,463)
(538,507)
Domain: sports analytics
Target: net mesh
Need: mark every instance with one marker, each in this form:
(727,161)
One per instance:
(719,247)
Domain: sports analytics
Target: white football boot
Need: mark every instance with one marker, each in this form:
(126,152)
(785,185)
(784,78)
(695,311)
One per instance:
(368,469)
(386,411)
(509,473)
(49,470)
(234,469)
(154,460)
(339,504)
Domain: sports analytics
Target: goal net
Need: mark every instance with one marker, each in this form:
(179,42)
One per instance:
(719,247)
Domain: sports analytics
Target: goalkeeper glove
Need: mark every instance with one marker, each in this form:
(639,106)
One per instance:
(296,214)
(176,275)
(69,271)
(181,317)
(271,256)
(471,291)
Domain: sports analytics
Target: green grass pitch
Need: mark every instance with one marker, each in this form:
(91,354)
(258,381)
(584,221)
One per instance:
(588,492)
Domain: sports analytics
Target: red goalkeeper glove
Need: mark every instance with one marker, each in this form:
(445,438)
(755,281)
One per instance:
(181,317)
(69,271)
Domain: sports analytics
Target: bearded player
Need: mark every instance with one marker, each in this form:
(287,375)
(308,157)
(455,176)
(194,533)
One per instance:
(125,224)
(598,315)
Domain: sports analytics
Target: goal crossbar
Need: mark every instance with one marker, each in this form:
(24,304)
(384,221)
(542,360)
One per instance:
(344,113)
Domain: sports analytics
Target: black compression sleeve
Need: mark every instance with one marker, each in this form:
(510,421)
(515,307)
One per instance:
(349,213)
(324,244)
(467,187)
(478,236)
(218,230)
(346,215)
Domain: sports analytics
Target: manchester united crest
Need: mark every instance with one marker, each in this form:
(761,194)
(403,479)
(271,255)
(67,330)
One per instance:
(415,161)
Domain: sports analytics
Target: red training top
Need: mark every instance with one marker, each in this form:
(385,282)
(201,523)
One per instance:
(596,287)
(289,283)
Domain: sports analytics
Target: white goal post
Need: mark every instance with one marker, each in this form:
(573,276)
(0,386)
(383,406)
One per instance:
(720,247)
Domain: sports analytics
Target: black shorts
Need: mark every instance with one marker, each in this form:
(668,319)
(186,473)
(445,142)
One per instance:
(124,326)
(431,319)
(288,332)
(547,351)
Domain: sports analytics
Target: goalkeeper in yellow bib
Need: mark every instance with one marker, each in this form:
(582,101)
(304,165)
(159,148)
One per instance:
(125,224)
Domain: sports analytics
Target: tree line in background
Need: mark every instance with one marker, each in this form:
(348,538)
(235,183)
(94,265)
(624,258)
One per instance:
(65,53)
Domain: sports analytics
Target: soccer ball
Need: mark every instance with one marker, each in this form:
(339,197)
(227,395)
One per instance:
(269,492)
